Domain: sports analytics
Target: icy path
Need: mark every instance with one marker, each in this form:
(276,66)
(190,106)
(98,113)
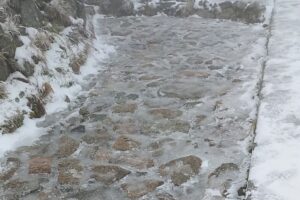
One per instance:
(275,169)
(169,118)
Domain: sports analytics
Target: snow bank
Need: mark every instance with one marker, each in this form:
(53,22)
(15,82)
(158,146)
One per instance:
(275,170)
(53,69)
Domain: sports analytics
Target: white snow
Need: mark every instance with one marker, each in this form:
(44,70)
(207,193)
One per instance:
(211,194)
(25,135)
(275,168)
(53,58)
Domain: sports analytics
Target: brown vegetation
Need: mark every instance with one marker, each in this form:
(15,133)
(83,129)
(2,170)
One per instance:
(12,124)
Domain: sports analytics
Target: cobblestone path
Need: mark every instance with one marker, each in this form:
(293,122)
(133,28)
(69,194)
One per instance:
(170,117)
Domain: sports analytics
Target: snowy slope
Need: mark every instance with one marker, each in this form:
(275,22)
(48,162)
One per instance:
(275,170)
(54,58)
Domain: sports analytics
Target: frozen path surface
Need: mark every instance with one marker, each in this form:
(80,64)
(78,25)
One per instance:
(275,170)
(170,117)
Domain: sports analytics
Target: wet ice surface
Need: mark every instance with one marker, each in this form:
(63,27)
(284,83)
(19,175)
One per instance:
(177,88)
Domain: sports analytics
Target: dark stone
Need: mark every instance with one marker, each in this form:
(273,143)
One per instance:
(21,94)
(109,174)
(5,70)
(83,111)
(241,11)
(7,44)
(224,168)
(35,59)
(114,7)
(89,10)
(214,67)
(132,96)
(30,13)
(98,117)
(242,191)
(28,69)
(182,169)
(78,129)
(57,18)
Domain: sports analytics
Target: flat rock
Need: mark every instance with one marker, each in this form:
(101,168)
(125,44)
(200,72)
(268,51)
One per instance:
(223,169)
(12,165)
(66,178)
(125,128)
(149,77)
(174,126)
(165,196)
(109,174)
(40,165)
(182,169)
(182,91)
(124,143)
(165,113)
(96,138)
(69,171)
(141,188)
(67,146)
(102,154)
(125,108)
(195,74)
(134,161)
(22,188)
(78,129)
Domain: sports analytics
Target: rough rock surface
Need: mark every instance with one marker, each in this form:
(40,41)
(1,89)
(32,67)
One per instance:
(108,174)
(245,11)
(114,7)
(31,13)
(40,166)
(138,189)
(182,169)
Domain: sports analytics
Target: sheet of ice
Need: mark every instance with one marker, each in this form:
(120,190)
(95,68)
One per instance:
(170,55)
(275,168)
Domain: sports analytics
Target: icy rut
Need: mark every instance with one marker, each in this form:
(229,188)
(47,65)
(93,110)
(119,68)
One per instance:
(170,118)
(275,172)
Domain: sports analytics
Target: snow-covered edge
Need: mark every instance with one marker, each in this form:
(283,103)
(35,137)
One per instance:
(275,172)
(29,132)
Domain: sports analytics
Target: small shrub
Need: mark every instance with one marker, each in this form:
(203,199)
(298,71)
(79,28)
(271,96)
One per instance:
(3,92)
(11,21)
(12,124)
(187,9)
(43,41)
(78,61)
(46,90)
(37,107)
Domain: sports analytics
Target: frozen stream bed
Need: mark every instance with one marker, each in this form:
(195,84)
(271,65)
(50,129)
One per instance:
(171,117)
